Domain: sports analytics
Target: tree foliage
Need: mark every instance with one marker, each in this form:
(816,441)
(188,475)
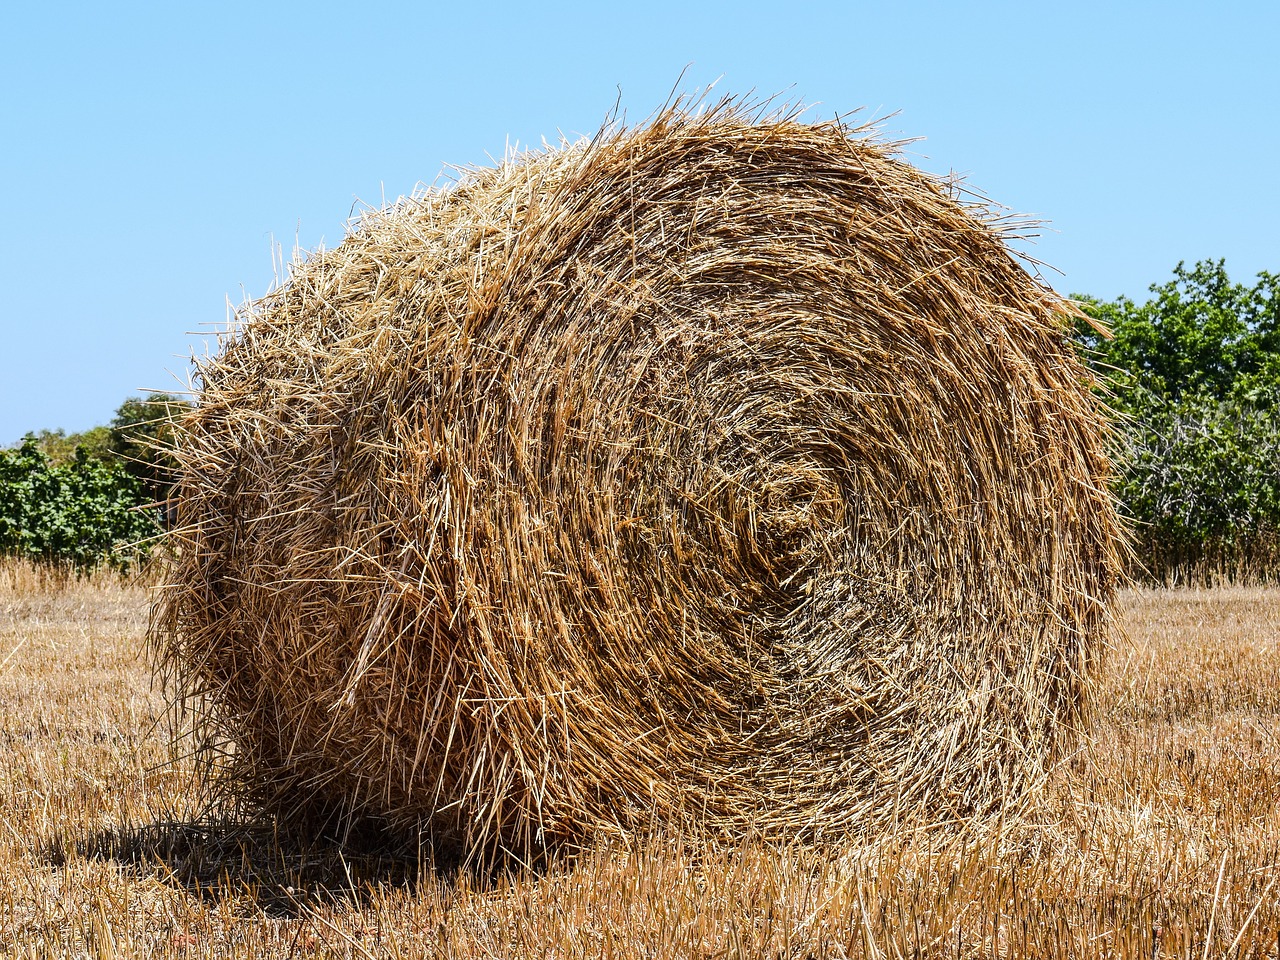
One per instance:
(141,436)
(1195,374)
(60,447)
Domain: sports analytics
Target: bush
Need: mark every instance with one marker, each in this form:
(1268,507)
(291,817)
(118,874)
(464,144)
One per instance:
(81,513)
(1202,476)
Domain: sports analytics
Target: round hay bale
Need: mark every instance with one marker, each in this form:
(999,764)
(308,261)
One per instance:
(727,471)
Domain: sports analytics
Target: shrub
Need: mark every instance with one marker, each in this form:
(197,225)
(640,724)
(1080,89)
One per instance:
(80,513)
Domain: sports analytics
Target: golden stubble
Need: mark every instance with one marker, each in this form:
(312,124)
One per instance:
(1161,837)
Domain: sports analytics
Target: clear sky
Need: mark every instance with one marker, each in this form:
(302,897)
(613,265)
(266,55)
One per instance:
(151,155)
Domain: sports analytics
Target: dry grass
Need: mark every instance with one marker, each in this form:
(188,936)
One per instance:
(1162,838)
(726,470)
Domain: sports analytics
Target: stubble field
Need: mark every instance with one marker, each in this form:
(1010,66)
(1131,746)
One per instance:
(1160,837)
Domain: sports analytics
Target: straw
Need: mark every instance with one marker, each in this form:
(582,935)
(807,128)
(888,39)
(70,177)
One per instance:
(726,471)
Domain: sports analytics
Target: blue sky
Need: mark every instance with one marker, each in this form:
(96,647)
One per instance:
(153,154)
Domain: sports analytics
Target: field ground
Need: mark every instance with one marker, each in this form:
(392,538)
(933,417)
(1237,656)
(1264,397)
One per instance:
(1160,838)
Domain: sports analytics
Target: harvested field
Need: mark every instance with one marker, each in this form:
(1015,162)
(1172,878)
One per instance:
(1160,838)
(727,473)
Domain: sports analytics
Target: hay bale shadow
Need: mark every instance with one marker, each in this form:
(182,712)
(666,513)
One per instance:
(284,871)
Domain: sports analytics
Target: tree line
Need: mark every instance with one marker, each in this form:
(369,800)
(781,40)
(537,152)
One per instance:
(1192,373)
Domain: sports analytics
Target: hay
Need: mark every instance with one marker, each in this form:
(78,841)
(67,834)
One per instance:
(726,471)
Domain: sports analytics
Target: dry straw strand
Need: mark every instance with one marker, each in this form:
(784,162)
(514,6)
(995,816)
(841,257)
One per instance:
(725,471)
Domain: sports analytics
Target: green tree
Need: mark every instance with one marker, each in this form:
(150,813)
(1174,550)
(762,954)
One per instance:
(60,447)
(1200,334)
(1195,374)
(142,434)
